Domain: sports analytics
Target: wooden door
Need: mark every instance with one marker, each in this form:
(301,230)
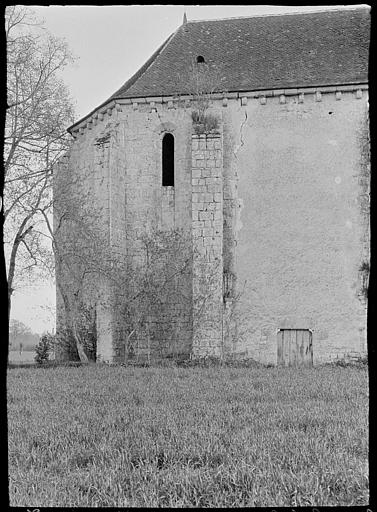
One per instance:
(295,347)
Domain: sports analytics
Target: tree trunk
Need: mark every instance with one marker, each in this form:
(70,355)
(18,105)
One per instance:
(10,291)
(79,345)
(72,323)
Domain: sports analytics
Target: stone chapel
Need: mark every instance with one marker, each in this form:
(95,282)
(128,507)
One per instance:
(218,203)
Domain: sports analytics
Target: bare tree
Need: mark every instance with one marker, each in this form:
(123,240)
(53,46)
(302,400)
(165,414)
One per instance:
(38,112)
(139,288)
(17,330)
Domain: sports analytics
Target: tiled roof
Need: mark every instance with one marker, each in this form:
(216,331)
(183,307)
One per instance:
(262,52)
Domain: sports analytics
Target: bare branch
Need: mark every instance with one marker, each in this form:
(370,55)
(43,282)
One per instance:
(39,110)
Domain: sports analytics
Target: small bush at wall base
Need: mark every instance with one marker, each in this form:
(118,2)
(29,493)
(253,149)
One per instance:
(345,362)
(43,349)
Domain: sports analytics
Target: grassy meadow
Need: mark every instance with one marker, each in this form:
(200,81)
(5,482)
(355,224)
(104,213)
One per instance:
(100,436)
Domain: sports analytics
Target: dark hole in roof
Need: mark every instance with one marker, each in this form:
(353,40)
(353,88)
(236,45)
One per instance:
(200,59)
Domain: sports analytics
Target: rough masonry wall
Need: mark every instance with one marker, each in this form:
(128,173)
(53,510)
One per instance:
(273,215)
(118,159)
(81,214)
(207,239)
(147,207)
(300,228)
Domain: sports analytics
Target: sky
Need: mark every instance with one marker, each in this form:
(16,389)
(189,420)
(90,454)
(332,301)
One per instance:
(110,44)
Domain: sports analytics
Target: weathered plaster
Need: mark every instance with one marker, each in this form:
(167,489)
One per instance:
(298,240)
(289,203)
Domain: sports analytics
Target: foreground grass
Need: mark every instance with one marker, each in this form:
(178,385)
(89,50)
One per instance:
(99,436)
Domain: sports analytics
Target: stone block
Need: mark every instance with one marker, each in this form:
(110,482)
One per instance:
(205,216)
(206,233)
(216,172)
(205,173)
(207,240)
(214,188)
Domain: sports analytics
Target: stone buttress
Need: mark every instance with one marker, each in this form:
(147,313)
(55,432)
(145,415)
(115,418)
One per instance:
(207,237)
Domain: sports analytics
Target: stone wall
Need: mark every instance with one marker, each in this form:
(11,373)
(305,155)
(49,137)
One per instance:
(117,160)
(274,210)
(299,220)
(207,239)
(81,224)
(148,207)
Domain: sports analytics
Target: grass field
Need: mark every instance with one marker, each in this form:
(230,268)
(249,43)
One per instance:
(180,437)
(24,357)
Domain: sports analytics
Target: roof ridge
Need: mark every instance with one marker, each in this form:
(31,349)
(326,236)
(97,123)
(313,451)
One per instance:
(292,13)
(230,51)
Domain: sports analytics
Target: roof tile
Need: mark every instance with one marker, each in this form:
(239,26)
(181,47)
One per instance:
(265,52)
(261,52)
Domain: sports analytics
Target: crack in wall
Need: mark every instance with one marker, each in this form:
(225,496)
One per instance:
(242,142)
(237,226)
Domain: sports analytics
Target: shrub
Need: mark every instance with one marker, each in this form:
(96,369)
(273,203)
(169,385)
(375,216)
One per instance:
(204,123)
(66,344)
(43,349)
(347,361)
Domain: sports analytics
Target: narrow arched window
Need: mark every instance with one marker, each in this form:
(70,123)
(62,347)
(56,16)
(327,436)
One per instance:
(168,160)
